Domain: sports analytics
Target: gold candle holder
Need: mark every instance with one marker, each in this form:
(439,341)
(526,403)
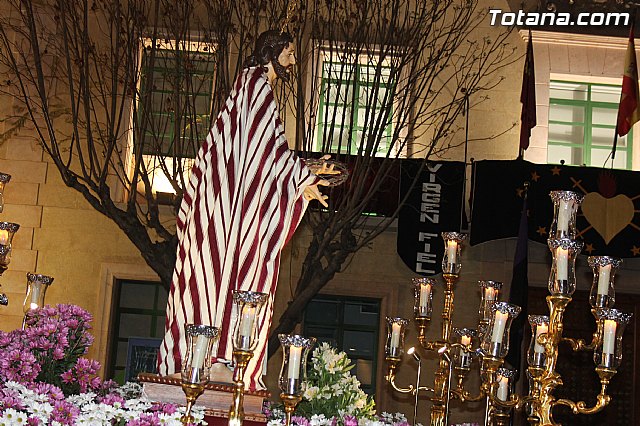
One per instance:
(248,305)
(197,364)
(7,231)
(4,179)
(293,373)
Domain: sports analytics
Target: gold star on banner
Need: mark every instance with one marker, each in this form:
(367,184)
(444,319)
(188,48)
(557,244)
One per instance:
(635,250)
(556,171)
(542,231)
(519,192)
(589,248)
(535,176)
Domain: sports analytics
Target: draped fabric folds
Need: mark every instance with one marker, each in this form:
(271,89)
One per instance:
(242,204)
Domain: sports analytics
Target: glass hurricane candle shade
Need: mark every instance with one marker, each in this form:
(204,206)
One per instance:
(4,179)
(394,346)
(505,378)
(423,297)
(463,357)
(562,279)
(489,293)
(197,364)
(495,342)
(37,286)
(608,353)
(7,231)
(293,373)
(536,354)
(603,293)
(565,207)
(452,247)
(248,306)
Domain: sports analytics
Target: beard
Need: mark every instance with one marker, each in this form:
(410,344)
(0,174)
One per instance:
(281,71)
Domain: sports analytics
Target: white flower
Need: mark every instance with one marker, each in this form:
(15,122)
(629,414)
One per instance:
(319,420)
(311,392)
(275,422)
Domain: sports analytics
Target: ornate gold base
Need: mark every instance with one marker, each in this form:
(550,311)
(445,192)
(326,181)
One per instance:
(290,402)
(236,411)
(192,391)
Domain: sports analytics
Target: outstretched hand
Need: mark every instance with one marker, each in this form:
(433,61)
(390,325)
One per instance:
(312,192)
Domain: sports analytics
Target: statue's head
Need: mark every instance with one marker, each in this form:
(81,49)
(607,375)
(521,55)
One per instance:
(275,48)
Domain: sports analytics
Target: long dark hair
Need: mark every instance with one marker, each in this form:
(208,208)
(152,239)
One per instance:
(268,47)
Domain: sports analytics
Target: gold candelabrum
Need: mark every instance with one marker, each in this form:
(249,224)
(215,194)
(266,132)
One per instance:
(196,368)
(248,306)
(293,373)
(7,230)
(456,351)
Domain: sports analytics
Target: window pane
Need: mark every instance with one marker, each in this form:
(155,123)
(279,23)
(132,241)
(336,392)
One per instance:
(322,312)
(339,93)
(566,133)
(364,371)
(361,313)
(604,116)
(359,343)
(138,296)
(605,94)
(121,353)
(563,90)
(570,155)
(567,113)
(134,325)
(604,137)
(601,158)
(159,326)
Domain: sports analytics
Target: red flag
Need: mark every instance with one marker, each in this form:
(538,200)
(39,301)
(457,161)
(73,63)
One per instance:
(628,112)
(528,98)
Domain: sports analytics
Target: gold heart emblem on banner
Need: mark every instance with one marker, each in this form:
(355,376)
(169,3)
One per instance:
(608,216)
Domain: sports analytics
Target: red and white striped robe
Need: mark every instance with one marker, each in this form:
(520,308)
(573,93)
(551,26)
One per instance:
(243,203)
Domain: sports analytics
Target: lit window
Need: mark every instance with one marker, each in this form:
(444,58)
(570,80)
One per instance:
(355,111)
(582,122)
(174,107)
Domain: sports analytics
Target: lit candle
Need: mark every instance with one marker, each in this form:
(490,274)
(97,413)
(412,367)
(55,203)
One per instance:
(246,321)
(425,292)
(603,279)
(503,388)
(562,264)
(452,248)
(4,237)
(395,335)
(563,216)
(540,329)
(295,355)
(490,293)
(499,323)
(609,338)
(465,340)
(35,296)
(199,351)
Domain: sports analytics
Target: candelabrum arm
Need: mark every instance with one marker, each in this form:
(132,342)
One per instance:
(581,407)
(602,399)
(580,344)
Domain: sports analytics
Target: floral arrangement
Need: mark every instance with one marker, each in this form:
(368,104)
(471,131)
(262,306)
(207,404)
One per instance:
(44,404)
(44,379)
(333,397)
